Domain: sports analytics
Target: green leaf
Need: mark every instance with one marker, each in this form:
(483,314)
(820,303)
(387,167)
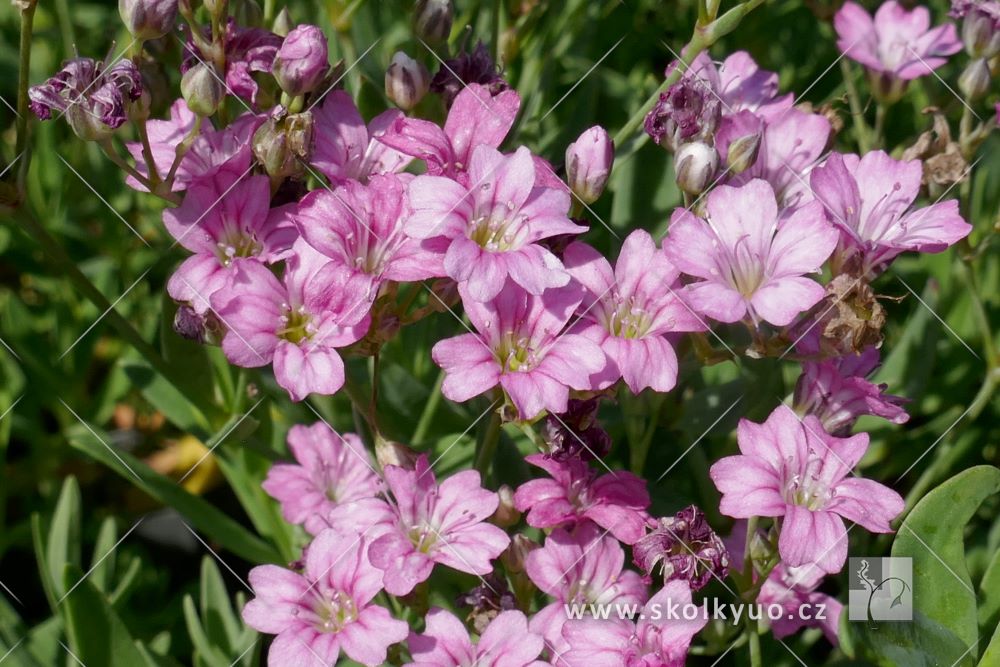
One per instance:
(989,596)
(942,587)
(202,515)
(63,544)
(216,608)
(918,643)
(102,562)
(991,656)
(165,397)
(205,650)
(96,634)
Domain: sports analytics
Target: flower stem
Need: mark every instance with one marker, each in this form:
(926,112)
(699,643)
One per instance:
(430,407)
(857,111)
(487,446)
(24,65)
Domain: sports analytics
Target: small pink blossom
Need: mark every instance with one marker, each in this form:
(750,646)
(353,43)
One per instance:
(506,642)
(331,469)
(630,310)
(436,523)
(224,218)
(247,51)
(897,43)
(793,469)
(519,344)
(491,227)
(616,502)
(345,148)
(325,610)
(297,323)
(750,259)
(361,228)
(655,641)
(581,567)
(837,392)
(741,84)
(477,118)
(794,589)
(870,200)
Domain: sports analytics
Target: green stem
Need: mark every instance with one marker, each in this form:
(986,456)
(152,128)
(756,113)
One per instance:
(430,407)
(754,642)
(147,152)
(495,27)
(878,140)
(487,446)
(857,110)
(23,76)
(66,27)
(268,14)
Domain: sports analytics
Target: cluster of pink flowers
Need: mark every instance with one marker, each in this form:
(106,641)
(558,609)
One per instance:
(776,233)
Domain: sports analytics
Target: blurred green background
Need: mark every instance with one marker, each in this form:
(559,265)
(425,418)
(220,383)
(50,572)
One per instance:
(95,441)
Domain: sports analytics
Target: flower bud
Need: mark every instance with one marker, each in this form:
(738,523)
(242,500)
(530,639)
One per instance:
(392,453)
(282,144)
(743,153)
(202,89)
(981,33)
(148,19)
(515,558)
(406,81)
(432,20)
(302,60)
(506,514)
(588,163)
(975,79)
(282,23)
(695,165)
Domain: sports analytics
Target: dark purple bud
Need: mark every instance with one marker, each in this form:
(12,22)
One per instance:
(685,547)
(148,19)
(302,60)
(486,601)
(465,68)
(200,328)
(576,433)
(94,100)
(687,111)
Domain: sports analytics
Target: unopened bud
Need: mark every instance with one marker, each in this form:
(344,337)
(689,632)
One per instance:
(282,144)
(516,555)
(432,20)
(148,19)
(206,328)
(695,165)
(391,453)
(202,89)
(588,163)
(981,34)
(282,23)
(302,60)
(743,153)
(406,81)
(975,79)
(506,514)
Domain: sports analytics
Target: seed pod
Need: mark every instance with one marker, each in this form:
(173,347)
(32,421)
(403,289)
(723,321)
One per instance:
(202,89)
(282,144)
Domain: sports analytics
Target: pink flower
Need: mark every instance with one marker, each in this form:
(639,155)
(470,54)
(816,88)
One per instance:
(247,51)
(791,143)
(837,393)
(476,118)
(296,323)
(616,502)
(326,609)
(630,309)
(794,588)
(443,524)
(506,642)
(519,345)
(870,200)
(223,219)
(750,260)
(344,148)
(794,469)
(583,567)
(210,151)
(361,228)
(492,226)
(655,641)
(899,44)
(741,84)
(331,469)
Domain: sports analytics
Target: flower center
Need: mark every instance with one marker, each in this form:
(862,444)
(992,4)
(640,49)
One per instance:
(746,268)
(423,537)
(296,324)
(335,612)
(516,353)
(806,489)
(626,318)
(233,244)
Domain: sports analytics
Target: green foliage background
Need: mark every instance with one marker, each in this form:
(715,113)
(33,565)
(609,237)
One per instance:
(167,567)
